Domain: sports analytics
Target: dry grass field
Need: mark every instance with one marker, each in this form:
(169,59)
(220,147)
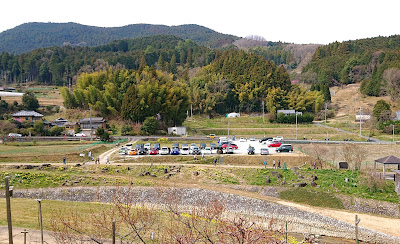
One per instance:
(45,95)
(47,152)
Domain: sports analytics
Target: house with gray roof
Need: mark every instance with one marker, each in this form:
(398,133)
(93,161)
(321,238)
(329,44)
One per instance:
(90,125)
(27,116)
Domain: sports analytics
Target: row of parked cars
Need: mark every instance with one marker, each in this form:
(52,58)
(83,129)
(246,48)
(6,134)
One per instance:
(184,149)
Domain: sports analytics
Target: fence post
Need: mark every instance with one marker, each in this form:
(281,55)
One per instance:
(8,201)
(40,220)
(24,232)
(356,225)
(113,232)
(286,232)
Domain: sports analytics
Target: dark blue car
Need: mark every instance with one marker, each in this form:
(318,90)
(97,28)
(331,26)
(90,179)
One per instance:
(175,151)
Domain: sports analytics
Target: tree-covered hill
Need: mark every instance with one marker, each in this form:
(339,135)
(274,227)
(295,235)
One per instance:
(373,61)
(60,65)
(30,36)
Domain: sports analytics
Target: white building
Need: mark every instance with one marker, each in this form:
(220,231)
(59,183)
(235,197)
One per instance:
(181,131)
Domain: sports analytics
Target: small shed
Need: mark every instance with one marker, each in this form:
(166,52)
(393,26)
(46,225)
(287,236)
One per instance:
(288,112)
(388,160)
(181,131)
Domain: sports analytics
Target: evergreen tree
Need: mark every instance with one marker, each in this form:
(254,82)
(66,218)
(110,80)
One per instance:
(172,65)
(29,101)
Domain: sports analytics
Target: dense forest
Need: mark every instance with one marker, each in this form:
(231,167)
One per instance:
(30,36)
(235,80)
(373,61)
(61,65)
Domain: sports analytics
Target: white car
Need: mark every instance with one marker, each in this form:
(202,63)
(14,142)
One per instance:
(14,135)
(242,139)
(267,142)
(193,145)
(207,150)
(185,150)
(278,138)
(122,151)
(147,146)
(164,151)
(264,151)
(80,134)
(252,139)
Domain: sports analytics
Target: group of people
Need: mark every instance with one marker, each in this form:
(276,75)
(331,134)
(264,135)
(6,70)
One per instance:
(273,164)
(96,160)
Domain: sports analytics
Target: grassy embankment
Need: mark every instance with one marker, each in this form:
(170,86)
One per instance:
(330,181)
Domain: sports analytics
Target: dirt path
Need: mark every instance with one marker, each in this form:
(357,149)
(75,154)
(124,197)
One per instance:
(33,236)
(103,157)
(385,225)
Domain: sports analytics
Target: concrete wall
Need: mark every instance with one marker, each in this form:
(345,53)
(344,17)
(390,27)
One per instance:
(397,183)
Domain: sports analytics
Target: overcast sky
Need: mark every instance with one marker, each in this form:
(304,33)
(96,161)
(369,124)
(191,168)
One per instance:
(298,21)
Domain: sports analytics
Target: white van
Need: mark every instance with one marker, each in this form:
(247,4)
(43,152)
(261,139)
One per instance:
(128,146)
(185,150)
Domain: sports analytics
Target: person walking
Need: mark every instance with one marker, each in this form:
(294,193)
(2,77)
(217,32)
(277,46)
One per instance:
(265,164)
(215,161)
(279,164)
(108,160)
(273,164)
(64,161)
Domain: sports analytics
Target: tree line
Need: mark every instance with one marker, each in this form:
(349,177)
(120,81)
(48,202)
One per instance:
(61,65)
(235,80)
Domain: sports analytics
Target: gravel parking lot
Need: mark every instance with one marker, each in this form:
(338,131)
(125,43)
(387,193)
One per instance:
(242,148)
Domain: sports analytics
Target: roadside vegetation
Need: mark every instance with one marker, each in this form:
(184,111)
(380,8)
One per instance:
(329,181)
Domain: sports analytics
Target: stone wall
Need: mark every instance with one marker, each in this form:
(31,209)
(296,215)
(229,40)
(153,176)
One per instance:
(397,182)
(298,220)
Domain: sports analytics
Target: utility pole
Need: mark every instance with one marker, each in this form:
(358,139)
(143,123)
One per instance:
(8,201)
(326,106)
(90,121)
(263,110)
(228,128)
(296,123)
(360,119)
(40,220)
(191,112)
(393,134)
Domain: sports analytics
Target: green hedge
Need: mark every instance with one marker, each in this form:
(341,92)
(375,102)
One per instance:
(291,118)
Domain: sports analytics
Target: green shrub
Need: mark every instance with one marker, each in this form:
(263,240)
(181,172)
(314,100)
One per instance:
(313,198)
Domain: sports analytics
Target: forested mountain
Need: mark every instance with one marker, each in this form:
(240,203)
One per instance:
(291,56)
(60,65)
(373,61)
(30,36)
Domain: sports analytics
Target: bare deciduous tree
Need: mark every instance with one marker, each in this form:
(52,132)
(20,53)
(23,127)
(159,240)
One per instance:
(392,77)
(205,222)
(354,155)
(318,151)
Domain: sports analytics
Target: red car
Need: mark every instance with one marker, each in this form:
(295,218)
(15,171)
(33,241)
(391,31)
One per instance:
(153,151)
(234,146)
(275,144)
